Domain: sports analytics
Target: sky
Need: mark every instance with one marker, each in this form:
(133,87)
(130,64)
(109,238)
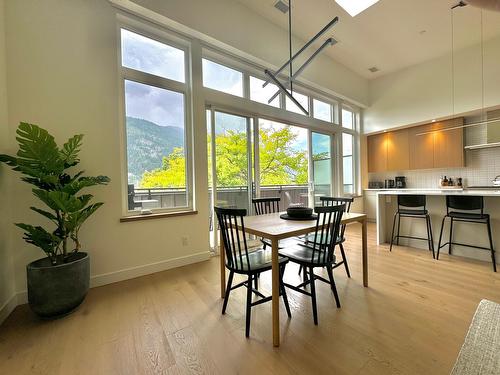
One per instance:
(163,107)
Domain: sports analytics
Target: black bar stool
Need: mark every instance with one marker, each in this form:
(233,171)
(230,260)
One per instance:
(456,209)
(413,206)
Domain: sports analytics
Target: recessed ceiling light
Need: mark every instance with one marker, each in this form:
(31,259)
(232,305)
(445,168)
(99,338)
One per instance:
(355,7)
(282,6)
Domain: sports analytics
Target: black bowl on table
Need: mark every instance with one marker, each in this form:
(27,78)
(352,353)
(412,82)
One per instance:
(299,212)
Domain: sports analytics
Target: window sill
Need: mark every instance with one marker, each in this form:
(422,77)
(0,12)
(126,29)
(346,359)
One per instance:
(159,215)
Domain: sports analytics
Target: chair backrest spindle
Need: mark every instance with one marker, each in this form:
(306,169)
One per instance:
(328,228)
(231,223)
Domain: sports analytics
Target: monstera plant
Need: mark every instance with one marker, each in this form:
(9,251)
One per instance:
(59,282)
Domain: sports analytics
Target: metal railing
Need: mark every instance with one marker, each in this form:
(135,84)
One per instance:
(235,196)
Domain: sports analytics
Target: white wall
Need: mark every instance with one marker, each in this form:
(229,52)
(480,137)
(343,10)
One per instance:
(62,63)
(424,92)
(232,23)
(7,282)
(62,74)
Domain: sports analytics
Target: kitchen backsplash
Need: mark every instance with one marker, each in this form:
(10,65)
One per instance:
(481,167)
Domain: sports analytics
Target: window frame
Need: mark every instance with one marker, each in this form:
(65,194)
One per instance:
(130,74)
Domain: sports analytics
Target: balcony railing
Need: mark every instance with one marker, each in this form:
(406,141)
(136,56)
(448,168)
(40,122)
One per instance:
(231,196)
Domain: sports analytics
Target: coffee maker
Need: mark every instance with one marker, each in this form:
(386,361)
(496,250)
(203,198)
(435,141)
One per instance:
(400,182)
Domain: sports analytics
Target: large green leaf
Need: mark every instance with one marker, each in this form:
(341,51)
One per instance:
(71,149)
(61,201)
(38,153)
(41,238)
(76,185)
(76,219)
(47,214)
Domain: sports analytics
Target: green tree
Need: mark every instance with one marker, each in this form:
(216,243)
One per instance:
(279,163)
(172,174)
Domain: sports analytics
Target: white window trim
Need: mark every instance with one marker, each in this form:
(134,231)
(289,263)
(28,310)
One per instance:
(185,88)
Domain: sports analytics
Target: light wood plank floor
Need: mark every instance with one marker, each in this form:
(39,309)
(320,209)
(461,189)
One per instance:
(411,320)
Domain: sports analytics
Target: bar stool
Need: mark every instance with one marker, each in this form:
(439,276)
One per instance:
(456,209)
(412,206)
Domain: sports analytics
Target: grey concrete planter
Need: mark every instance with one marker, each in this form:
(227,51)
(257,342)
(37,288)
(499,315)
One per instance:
(54,291)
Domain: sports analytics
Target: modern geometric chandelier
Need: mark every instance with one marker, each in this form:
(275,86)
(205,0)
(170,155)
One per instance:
(287,86)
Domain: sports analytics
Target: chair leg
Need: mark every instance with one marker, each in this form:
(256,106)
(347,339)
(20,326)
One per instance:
(305,277)
(430,235)
(491,247)
(399,227)
(283,292)
(333,286)
(249,306)
(440,237)
(451,236)
(256,281)
(300,270)
(228,290)
(344,259)
(313,296)
(392,233)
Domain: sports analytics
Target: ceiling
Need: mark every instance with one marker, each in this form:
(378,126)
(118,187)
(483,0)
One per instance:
(390,35)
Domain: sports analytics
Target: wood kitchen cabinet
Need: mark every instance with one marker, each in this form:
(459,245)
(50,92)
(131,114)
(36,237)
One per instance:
(449,144)
(377,153)
(420,147)
(398,156)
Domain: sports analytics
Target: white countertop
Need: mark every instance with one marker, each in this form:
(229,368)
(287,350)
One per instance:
(443,192)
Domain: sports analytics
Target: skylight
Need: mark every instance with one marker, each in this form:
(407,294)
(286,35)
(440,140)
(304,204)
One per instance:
(354,7)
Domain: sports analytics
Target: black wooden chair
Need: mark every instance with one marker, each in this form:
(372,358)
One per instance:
(264,206)
(469,209)
(412,206)
(240,261)
(334,201)
(318,253)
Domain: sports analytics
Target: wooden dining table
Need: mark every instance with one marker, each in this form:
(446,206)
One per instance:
(274,228)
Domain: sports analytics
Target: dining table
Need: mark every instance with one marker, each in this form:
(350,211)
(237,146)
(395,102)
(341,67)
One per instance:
(274,228)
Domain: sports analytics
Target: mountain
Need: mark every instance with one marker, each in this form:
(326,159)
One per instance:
(147,144)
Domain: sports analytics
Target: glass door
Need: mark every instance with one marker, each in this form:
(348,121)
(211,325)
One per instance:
(320,182)
(230,164)
(281,162)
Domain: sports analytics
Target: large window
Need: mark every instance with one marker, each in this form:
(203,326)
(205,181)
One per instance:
(263,94)
(301,98)
(322,111)
(348,163)
(348,119)
(222,78)
(156,96)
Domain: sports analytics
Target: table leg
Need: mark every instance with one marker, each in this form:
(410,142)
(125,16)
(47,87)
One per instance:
(276,293)
(222,256)
(365,251)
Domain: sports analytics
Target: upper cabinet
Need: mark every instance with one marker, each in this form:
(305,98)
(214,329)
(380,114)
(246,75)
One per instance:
(449,144)
(377,153)
(421,147)
(436,145)
(398,157)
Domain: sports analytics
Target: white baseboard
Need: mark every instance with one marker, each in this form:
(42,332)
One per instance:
(147,269)
(21,298)
(8,307)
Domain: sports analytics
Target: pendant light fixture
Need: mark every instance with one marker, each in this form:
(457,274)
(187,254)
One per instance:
(287,86)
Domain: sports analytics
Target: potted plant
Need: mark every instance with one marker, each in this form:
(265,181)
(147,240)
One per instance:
(58,283)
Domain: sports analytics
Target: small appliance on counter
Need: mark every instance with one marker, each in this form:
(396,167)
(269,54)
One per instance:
(375,185)
(400,182)
(389,184)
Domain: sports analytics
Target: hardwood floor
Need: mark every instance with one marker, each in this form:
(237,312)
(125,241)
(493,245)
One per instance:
(411,320)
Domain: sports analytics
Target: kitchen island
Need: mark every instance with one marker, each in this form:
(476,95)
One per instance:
(386,206)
